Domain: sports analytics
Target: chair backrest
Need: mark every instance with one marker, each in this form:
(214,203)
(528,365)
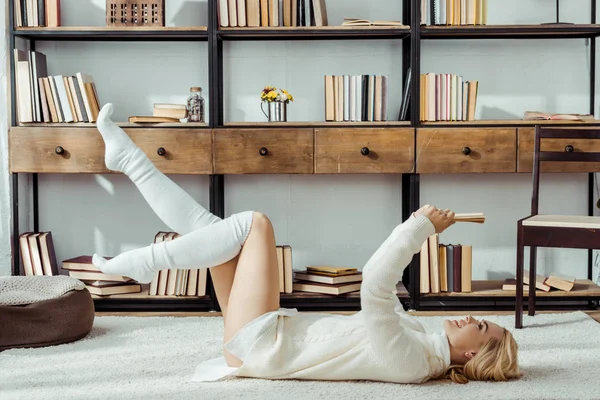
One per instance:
(570,153)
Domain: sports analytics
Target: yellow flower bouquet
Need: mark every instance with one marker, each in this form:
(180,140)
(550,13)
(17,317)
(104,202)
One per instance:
(272,94)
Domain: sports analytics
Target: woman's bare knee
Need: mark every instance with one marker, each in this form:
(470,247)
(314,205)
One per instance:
(261,222)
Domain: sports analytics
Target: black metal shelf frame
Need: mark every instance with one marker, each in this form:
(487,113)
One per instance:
(410,186)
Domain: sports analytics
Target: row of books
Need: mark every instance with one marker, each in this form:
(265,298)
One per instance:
(327,280)
(454,12)
(447,97)
(37,253)
(356,98)
(177,282)
(45,98)
(265,13)
(37,13)
(445,267)
(544,283)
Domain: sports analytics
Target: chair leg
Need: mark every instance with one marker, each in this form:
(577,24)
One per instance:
(532,276)
(519,294)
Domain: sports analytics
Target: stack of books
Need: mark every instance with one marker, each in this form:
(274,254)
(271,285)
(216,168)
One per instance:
(327,280)
(96,281)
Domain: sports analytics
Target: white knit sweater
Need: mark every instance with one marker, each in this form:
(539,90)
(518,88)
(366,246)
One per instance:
(379,343)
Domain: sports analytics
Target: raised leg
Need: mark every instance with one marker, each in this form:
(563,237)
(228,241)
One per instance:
(206,247)
(519,294)
(176,208)
(255,288)
(532,275)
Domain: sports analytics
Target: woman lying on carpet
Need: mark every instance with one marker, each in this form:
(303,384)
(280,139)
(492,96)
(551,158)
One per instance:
(262,340)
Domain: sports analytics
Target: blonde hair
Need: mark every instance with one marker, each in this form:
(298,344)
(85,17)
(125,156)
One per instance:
(496,361)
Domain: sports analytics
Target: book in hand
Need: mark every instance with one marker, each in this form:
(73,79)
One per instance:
(478,218)
(367,22)
(537,115)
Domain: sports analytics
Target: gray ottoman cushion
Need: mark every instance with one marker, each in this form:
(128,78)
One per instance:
(37,311)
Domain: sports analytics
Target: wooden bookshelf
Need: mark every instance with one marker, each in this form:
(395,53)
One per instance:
(115,33)
(215,35)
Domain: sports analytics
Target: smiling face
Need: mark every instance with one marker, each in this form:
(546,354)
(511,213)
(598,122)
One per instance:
(467,336)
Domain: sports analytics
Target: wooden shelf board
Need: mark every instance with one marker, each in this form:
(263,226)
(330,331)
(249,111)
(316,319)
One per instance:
(121,124)
(508,122)
(112,28)
(315,28)
(109,32)
(493,288)
(315,123)
(510,31)
(315,32)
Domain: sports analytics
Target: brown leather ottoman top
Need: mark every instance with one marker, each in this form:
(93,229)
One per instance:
(37,311)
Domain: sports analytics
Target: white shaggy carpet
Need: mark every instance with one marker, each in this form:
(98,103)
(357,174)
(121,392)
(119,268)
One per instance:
(155,357)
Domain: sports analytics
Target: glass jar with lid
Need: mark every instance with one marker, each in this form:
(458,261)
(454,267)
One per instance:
(195,105)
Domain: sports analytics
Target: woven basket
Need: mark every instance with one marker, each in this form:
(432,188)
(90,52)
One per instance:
(135,12)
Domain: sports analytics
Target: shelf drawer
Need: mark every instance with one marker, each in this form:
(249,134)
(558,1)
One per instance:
(358,150)
(470,150)
(263,151)
(34,149)
(525,154)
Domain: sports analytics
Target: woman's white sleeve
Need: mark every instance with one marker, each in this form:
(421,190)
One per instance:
(391,336)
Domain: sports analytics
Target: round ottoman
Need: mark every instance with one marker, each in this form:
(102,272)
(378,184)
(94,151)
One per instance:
(37,311)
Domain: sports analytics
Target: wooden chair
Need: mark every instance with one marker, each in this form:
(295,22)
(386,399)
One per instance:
(563,231)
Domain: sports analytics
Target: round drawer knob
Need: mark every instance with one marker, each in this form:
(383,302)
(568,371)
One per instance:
(59,150)
(365,151)
(466,151)
(161,151)
(263,151)
(569,148)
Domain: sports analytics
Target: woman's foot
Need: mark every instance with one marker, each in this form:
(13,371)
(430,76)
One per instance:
(121,151)
(136,264)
